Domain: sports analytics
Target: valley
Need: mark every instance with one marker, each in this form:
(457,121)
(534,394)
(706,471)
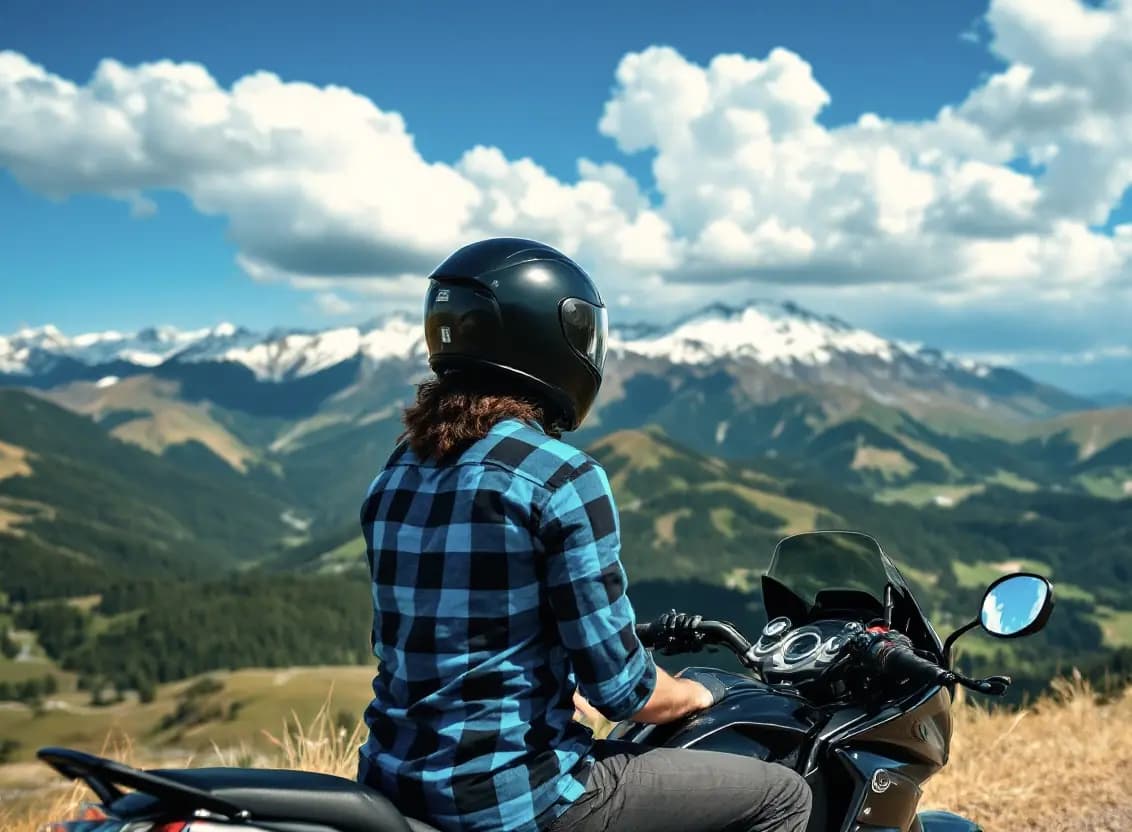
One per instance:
(236,710)
(177,504)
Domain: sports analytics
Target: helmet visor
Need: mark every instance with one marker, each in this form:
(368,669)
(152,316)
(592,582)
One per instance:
(586,328)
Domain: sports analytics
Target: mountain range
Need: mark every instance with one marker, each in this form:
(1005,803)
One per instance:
(795,342)
(161,464)
(760,380)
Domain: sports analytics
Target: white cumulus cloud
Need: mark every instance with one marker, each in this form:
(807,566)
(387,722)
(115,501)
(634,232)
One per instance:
(315,182)
(999,197)
(1002,187)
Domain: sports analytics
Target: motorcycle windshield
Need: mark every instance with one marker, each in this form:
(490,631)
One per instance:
(810,563)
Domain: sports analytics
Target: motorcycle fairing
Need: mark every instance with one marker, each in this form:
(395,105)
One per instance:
(754,719)
(905,742)
(883,795)
(918,730)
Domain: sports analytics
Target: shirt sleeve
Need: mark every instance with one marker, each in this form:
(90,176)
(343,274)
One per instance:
(585,585)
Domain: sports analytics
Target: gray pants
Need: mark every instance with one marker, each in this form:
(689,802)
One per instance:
(684,790)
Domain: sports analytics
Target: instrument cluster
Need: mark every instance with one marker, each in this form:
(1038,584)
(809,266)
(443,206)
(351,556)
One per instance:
(794,656)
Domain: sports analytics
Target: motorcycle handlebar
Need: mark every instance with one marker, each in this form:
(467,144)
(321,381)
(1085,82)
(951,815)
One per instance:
(897,660)
(892,655)
(711,632)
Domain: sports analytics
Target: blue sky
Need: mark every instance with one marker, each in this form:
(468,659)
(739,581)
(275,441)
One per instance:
(533,80)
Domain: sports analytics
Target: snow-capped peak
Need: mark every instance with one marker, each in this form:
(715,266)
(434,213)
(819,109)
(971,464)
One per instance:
(293,354)
(48,331)
(274,356)
(780,334)
(767,333)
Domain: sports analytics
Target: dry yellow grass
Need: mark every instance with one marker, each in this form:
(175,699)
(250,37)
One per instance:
(9,522)
(796,516)
(319,745)
(13,461)
(883,460)
(167,422)
(666,525)
(1061,764)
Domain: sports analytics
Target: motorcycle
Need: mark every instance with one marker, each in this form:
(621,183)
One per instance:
(848,684)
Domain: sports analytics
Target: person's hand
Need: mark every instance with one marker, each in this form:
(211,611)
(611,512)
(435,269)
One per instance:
(585,712)
(702,698)
(679,632)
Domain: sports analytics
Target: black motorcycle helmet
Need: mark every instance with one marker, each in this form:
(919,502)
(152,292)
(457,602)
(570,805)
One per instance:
(525,310)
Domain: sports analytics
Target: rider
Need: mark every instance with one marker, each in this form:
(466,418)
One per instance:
(498,588)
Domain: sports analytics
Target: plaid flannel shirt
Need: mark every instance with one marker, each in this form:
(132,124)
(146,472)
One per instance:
(497,591)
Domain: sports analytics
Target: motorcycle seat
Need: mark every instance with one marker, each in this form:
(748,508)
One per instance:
(300,797)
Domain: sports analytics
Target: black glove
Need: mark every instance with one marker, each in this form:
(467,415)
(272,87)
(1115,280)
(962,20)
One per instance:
(678,633)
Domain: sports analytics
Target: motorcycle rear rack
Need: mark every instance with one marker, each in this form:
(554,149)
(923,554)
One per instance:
(104,777)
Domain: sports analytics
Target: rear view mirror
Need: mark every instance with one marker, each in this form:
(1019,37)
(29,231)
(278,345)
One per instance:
(1016,605)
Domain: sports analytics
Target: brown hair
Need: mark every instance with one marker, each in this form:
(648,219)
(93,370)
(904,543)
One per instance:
(454,410)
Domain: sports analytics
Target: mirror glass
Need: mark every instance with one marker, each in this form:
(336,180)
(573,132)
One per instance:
(1013,605)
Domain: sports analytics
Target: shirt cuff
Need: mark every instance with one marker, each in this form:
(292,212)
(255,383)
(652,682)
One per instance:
(637,696)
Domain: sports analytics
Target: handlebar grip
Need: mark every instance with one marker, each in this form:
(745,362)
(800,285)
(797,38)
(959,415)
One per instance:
(647,634)
(896,660)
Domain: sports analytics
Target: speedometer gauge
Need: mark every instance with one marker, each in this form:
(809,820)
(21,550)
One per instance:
(776,628)
(800,646)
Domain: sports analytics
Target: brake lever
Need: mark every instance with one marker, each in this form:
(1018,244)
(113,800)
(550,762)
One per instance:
(995,685)
(990,686)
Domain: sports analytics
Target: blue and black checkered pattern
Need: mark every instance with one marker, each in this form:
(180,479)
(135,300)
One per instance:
(497,591)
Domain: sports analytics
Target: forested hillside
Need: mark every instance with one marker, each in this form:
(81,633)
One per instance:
(84,509)
(148,533)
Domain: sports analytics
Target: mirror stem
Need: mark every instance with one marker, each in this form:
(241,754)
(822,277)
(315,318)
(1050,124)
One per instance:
(951,639)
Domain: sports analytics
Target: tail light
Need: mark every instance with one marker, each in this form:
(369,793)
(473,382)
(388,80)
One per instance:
(92,818)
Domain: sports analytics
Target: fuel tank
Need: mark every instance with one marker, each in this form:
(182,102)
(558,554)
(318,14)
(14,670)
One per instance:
(753,720)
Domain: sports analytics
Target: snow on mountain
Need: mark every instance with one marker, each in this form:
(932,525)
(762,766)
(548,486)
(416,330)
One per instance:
(396,337)
(29,351)
(774,334)
(288,355)
(276,356)
(762,332)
